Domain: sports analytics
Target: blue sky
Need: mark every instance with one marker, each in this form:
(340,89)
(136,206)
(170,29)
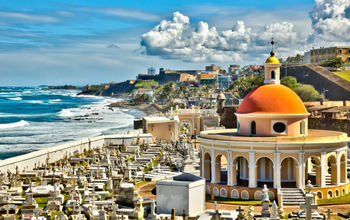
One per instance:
(87,42)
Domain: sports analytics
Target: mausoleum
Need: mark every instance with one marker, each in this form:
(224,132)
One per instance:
(272,145)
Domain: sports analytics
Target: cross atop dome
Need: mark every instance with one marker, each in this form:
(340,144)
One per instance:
(272,43)
(272,67)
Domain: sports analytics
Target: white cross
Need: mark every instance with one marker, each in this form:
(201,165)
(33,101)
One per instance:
(308,206)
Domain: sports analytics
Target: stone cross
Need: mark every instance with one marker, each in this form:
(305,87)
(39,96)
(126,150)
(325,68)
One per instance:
(240,213)
(308,206)
(328,212)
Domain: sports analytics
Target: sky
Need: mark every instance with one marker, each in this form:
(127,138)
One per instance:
(79,42)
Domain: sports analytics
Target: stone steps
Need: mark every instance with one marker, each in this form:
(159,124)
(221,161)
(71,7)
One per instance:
(292,196)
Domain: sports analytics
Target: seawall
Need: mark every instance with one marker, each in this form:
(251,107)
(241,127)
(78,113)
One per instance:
(30,160)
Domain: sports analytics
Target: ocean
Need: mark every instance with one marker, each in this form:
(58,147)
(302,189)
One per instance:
(33,118)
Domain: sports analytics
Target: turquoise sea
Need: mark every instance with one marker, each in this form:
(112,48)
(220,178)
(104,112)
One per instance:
(33,118)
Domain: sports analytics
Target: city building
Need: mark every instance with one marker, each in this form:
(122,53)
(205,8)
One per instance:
(224,81)
(162,127)
(321,54)
(213,68)
(233,68)
(207,79)
(273,146)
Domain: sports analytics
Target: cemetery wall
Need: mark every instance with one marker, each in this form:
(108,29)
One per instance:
(238,192)
(30,160)
(332,191)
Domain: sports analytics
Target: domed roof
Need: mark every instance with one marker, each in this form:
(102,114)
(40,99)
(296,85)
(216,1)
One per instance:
(272,60)
(272,99)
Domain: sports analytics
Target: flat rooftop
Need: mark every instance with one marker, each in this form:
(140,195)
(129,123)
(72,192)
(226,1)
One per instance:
(314,136)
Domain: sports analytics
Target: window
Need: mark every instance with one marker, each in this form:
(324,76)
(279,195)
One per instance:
(340,51)
(279,127)
(273,74)
(302,127)
(238,126)
(253,128)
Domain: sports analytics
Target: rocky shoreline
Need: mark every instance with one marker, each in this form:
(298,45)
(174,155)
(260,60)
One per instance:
(148,109)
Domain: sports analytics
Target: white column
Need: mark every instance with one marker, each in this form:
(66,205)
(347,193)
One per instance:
(203,161)
(323,169)
(212,166)
(301,170)
(229,168)
(277,180)
(252,169)
(338,167)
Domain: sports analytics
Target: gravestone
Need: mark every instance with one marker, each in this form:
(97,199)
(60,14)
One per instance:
(265,203)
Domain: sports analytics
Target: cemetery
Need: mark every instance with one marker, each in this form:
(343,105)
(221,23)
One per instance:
(271,167)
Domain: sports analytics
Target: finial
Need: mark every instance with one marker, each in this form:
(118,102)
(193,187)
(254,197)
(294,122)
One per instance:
(272,43)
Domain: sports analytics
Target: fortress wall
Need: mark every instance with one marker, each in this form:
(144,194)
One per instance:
(55,153)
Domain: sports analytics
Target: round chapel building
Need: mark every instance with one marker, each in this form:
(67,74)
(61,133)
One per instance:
(272,145)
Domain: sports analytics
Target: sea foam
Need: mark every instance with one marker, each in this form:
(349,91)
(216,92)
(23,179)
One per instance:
(14,124)
(15,99)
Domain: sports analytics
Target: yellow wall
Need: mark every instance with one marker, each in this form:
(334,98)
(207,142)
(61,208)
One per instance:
(162,130)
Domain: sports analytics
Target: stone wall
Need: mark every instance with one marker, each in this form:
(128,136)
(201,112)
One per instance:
(320,78)
(342,125)
(55,153)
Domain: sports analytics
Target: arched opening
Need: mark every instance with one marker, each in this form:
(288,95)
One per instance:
(319,195)
(273,74)
(207,167)
(313,171)
(240,171)
(264,172)
(221,169)
(343,171)
(329,194)
(289,173)
(185,127)
(253,128)
(331,177)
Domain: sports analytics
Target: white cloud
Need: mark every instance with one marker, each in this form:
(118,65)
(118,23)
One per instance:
(124,13)
(26,17)
(330,22)
(178,39)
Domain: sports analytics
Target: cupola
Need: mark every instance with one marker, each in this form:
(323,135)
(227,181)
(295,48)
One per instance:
(272,68)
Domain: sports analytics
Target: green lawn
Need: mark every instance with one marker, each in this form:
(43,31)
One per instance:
(338,200)
(345,74)
(235,201)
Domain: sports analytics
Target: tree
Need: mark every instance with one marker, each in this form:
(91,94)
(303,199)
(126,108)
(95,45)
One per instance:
(335,62)
(242,86)
(289,81)
(307,93)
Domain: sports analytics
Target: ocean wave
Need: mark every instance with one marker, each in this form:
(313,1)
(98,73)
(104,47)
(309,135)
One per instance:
(14,124)
(15,99)
(54,100)
(34,101)
(65,113)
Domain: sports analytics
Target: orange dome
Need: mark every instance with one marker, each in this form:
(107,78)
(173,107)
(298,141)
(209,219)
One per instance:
(272,99)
